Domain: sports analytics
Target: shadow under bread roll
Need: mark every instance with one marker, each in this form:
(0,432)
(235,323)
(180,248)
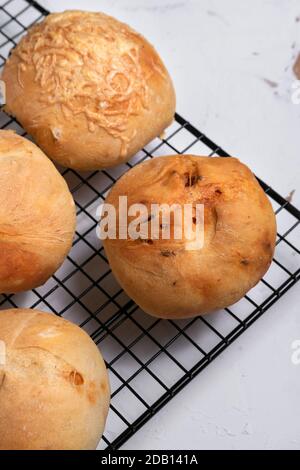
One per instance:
(54,387)
(172,278)
(37,215)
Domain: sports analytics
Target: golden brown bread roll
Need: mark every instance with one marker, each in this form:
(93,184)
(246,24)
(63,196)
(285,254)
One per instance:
(37,215)
(165,277)
(54,387)
(90,90)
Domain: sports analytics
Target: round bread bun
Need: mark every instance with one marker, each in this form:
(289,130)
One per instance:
(54,386)
(37,215)
(90,90)
(171,279)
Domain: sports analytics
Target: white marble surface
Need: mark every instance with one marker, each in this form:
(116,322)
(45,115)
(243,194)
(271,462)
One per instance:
(222,56)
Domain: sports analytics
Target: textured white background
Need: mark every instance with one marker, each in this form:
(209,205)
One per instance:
(221,56)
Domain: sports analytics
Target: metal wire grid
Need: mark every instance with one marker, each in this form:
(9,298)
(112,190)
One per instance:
(149,360)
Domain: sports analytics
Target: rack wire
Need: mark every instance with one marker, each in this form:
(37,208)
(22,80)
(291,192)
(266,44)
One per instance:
(149,360)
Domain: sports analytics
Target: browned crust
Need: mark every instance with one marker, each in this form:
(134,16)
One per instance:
(90,90)
(54,389)
(240,233)
(37,215)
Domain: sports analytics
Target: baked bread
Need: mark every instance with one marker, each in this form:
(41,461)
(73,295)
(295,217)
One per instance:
(54,386)
(37,215)
(170,279)
(90,90)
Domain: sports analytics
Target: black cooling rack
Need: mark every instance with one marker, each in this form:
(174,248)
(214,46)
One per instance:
(149,360)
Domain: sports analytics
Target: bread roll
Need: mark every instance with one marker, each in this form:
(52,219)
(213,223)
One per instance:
(166,278)
(54,388)
(90,90)
(37,215)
